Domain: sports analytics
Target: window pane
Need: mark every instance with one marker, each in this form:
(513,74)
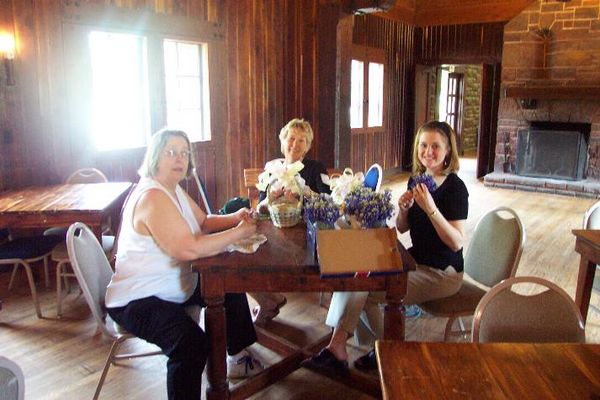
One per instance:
(375,94)
(186,83)
(356,94)
(120,103)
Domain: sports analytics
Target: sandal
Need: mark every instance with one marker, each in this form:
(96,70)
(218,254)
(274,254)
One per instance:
(261,316)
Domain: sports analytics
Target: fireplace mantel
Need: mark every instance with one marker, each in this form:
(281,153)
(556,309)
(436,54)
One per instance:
(553,92)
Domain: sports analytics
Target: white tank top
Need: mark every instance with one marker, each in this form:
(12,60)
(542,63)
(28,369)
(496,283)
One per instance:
(142,268)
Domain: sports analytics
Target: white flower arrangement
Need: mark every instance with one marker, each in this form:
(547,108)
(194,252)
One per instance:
(343,184)
(281,179)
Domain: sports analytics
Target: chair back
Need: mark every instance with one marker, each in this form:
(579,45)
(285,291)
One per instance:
(591,219)
(91,268)
(201,188)
(373,177)
(503,315)
(87,175)
(496,246)
(12,381)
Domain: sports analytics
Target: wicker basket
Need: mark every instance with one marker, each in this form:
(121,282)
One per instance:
(285,215)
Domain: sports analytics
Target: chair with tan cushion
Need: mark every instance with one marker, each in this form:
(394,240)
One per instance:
(493,255)
(504,315)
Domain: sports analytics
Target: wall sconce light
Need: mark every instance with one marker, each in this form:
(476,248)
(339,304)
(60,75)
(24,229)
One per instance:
(7,53)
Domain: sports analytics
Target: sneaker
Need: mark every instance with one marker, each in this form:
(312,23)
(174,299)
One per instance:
(326,363)
(244,367)
(412,311)
(366,363)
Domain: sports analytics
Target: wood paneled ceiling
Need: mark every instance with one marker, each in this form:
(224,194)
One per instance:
(451,12)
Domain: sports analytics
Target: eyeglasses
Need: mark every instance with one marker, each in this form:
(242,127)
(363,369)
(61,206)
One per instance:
(171,153)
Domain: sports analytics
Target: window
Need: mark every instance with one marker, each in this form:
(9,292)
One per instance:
(367,90)
(120,103)
(124,110)
(186,74)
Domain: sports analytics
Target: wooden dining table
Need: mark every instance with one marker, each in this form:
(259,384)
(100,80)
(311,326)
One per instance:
(282,264)
(587,244)
(420,370)
(62,205)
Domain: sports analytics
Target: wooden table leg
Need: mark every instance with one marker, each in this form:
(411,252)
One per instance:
(214,320)
(585,281)
(393,322)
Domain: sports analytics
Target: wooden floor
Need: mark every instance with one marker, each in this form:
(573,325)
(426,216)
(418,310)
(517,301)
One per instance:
(62,359)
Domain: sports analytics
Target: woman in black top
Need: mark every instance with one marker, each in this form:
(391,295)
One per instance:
(295,137)
(435,216)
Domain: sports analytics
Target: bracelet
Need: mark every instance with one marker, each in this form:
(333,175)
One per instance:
(431,214)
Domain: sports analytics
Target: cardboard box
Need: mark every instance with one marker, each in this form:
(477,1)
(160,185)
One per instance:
(357,252)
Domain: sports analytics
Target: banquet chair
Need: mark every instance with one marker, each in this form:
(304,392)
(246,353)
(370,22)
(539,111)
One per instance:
(61,256)
(83,175)
(93,273)
(493,255)
(591,220)
(373,177)
(504,315)
(12,380)
(23,252)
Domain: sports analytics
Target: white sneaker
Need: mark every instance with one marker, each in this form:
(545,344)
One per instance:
(244,367)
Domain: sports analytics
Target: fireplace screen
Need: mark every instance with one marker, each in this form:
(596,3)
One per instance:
(551,154)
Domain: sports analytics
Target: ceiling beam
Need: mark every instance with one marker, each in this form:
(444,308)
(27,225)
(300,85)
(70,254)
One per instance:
(452,12)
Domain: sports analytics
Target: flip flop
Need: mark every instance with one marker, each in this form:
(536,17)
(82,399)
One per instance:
(261,317)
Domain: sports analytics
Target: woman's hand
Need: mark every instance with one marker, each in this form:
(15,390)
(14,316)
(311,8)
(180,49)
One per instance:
(423,198)
(242,214)
(406,201)
(247,225)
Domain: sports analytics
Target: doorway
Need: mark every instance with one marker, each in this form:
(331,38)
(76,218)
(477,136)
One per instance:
(452,93)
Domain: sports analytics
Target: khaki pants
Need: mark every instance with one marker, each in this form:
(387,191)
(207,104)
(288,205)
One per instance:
(360,312)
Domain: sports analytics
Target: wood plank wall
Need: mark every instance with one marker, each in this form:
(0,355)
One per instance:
(276,62)
(469,44)
(459,44)
(273,60)
(397,40)
(281,65)
(41,142)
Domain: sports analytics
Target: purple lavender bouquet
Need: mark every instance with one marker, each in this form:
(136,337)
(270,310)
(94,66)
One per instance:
(321,209)
(368,207)
(423,178)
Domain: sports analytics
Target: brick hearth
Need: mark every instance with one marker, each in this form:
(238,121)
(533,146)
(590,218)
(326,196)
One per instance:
(550,45)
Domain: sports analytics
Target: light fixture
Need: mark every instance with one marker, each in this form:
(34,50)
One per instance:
(7,52)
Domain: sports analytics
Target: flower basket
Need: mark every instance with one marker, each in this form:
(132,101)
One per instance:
(285,215)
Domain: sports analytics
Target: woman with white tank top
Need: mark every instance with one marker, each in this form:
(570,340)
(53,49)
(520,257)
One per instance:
(162,230)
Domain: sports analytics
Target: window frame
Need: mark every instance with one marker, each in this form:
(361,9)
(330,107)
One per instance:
(155,28)
(369,55)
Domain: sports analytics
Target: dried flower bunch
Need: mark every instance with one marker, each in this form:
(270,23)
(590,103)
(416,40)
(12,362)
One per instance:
(423,178)
(367,206)
(321,208)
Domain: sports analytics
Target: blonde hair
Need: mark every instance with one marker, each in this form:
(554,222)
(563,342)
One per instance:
(149,167)
(451,162)
(300,124)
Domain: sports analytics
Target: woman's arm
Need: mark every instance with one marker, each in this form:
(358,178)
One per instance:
(155,215)
(450,232)
(405,202)
(214,222)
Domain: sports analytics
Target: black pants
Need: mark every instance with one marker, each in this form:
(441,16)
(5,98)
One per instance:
(167,325)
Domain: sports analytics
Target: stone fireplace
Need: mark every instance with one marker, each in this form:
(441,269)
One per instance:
(551,85)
